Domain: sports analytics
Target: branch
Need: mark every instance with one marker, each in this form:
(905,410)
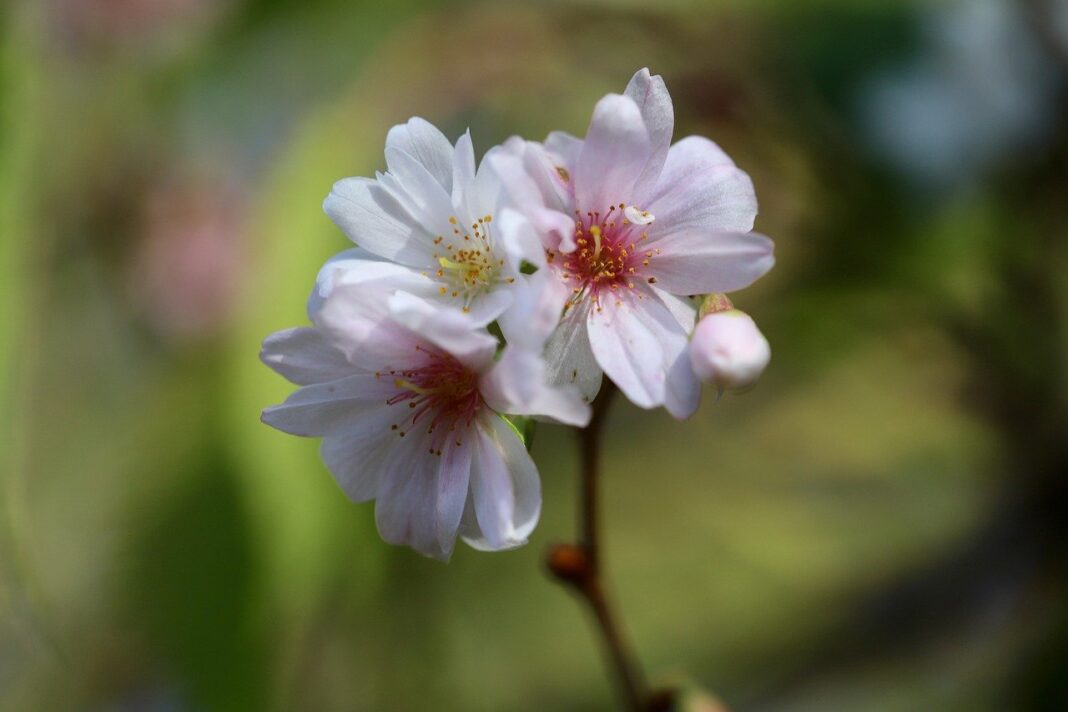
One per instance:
(579,565)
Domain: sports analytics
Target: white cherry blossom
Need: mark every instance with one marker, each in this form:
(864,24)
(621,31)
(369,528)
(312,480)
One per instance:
(409,399)
(429,223)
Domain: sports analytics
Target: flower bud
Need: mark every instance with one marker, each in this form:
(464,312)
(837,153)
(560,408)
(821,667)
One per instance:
(728,351)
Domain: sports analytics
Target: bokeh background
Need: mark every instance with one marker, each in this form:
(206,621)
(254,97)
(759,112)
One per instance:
(880,525)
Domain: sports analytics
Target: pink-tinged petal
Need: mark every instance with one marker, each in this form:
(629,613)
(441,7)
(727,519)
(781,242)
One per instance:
(505,489)
(453,479)
(518,385)
(426,144)
(354,454)
(728,350)
(538,302)
(358,266)
(702,263)
(529,181)
(304,356)
(652,98)
(429,204)
(568,356)
(700,188)
(614,154)
(564,149)
(324,408)
(376,220)
(407,503)
(636,341)
(446,328)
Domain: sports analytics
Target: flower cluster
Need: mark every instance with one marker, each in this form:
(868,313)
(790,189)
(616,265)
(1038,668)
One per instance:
(480,296)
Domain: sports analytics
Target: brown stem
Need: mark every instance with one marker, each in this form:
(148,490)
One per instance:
(579,565)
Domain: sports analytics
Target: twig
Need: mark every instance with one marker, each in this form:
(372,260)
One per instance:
(579,565)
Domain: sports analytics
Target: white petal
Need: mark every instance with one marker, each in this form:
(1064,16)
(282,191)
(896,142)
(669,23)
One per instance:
(519,239)
(419,192)
(426,144)
(636,342)
(505,489)
(700,188)
(453,481)
(358,266)
(463,176)
(652,98)
(614,154)
(484,308)
(323,408)
(701,263)
(354,454)
(569,359)
(374,219)
(682,394)
(305,356)
(681,308)
(407,503)
(356,319)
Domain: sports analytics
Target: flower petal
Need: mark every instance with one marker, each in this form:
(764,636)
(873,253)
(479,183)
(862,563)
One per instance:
(535,188)
(701,263)
(304,356)
(505,489)
(323,408)
(637,341)
(517,385)
(652,98)
(358,266)
(446,328)
(407,503)
(453,481)
(569,359)
(463,176)
(614,154)
(354,454)
(700,188)
(355,318)
(682,394)
(564,149)
(375,219)
(429,204)
(421,140)
(538,302)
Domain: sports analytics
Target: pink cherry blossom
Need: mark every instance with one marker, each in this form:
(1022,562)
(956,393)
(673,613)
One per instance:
(728,351)
(631,225)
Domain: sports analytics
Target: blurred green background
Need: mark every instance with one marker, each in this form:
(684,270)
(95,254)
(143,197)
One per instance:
(881,525)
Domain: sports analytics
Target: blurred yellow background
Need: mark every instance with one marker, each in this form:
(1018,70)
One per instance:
(880,525)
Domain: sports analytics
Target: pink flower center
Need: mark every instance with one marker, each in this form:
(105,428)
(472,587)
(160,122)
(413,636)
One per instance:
(609,256)
(441,394)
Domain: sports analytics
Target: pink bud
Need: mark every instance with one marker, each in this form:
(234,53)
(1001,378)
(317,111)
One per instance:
(728,351)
